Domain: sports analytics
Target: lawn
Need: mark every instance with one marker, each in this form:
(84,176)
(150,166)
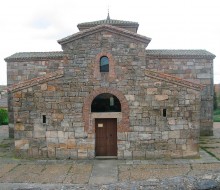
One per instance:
(216,115)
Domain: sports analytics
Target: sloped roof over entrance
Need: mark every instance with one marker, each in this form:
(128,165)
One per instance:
(109,28)
(174,80)
(35,81)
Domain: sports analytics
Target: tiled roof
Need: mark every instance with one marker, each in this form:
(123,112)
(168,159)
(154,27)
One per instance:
(164,53)
(174,80)
(110,28)
(35,56)
(179,53)
(36,81)
(108,21)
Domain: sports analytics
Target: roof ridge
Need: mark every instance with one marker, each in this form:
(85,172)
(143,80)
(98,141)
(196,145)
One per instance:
(173,79)
(35,81)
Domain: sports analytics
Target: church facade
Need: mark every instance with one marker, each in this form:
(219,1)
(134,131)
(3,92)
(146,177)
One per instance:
(107,95)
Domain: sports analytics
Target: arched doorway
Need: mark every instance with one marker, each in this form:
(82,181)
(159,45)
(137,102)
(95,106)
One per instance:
(105,128)
(106,102)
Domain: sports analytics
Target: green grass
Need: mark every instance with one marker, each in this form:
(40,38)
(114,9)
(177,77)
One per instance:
(216,115)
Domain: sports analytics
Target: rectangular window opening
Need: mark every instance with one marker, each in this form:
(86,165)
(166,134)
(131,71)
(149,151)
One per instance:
(164,112)
(44,119)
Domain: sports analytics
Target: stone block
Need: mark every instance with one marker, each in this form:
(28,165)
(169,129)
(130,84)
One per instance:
(176,127)
(151,90)
(44,86)
(71,143)
(19,127)
(82,154)
(127,154)
(138,155)
(51,152)
(62,134)
(65,124)
(91,154)
(73,153)
(51,88)
(71,135)
(57,116)
(165,135)
(150,155)
(133,136)
(139,128)
(171,121)
(174,134)
(62,153)
(52,134)
(52,141)
(22,144)
(79,133)
(121,136)
(39,134)
(161,97)
(17,95)
(39,127)
(144,137)
(130,97)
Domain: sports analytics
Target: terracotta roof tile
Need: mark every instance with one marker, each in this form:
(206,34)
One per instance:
(173,79)
(36,81)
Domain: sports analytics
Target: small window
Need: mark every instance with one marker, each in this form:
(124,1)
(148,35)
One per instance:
(164,112)
(44,119)
(104,64)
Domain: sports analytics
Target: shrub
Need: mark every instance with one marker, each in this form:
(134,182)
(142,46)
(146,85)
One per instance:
(3,117)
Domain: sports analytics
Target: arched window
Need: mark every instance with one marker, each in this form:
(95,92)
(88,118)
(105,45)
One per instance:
(104,64)
(106,103)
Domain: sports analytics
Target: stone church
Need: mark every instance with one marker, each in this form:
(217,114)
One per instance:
(107,95)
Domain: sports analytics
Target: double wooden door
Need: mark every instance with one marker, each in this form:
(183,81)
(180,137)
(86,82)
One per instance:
(106,137)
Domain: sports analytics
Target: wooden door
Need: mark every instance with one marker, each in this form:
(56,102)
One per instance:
(106,137)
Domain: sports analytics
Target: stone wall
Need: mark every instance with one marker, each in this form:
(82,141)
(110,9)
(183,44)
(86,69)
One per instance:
(150,135)
(143,131)
(18,71)
(195,70)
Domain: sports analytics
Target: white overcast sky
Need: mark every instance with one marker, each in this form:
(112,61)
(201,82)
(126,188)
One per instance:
(36,25)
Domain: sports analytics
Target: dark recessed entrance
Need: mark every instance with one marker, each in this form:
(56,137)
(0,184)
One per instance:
(106,128)
(106,103)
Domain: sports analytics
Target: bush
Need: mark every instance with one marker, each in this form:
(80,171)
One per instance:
(3,117)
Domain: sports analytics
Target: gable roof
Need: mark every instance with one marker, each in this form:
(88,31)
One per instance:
(35,56)
(35,81)
(174,80)
(105,27)
(179,53)
(113,22)
(108,21)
